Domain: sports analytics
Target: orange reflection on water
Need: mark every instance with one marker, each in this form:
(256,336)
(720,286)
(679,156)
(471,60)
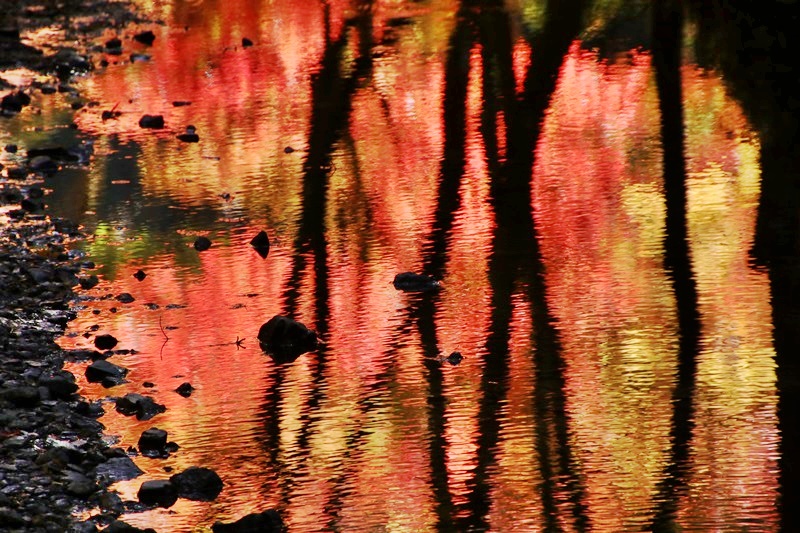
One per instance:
(600,217)
(735,447)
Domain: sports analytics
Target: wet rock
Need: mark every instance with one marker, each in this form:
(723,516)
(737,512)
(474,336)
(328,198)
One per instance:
(102,371)
(261,244)
(202,244)
(455,358)
(411,282)
(56,153)
(14,102)
(22,396)
(48,89)
(105,342)
(190,136)
(114,46)
(32,205)
(16,173)
(197,483)
(118,469)
(145,37)
(160,492)
(185,389)
(285,339)
(140,275)
(80,485)
(143,407)
(151,121)
(11,518)
(11,148)
(139,58)
(246,42)
(153,442)
(88,282)
(60,384)
(267,522)
(288,150)
(125,298)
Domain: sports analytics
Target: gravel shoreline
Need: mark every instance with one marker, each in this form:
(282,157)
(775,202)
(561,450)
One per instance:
(54,461)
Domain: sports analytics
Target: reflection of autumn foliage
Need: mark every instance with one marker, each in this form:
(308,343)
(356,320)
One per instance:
(353,443)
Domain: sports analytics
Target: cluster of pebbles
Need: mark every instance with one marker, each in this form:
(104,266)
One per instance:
(53,459)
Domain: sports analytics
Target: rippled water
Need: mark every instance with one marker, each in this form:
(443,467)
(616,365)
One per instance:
(405,149)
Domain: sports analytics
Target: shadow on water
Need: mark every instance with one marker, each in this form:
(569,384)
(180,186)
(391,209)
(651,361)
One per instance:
(332,93)
(515,260)
(757,47)
(667,32)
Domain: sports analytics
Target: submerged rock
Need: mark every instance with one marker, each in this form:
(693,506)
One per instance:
(197,483)
(143,407)
(118,526)
(160,492)
(267,522)
(411,282)
(285,339)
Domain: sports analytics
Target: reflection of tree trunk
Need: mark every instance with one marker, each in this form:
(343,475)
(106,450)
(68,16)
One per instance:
(667,28)
(515,258)
(331,95)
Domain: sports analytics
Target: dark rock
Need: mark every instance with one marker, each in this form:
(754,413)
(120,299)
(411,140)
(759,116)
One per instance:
(140,275)
(246,42)
(139,57)
(102,371)
(125,298)
(143,407)
(285,339)
(197,483)
(190,136)
(90,409)
(185,389)
(181,103)
(113,44)
(56,153)
(118,469)
(11,148)
(202,244)
(411,282)
(455,358)
(261,244)
(145,37)
(160,492)
(288,150)
(61,384)
(81,486)
(105,342)
(48,89)
(17,173)
(151,121)
(11,518)
(15,101)
(267,522)
(152,442)
(89,282)
(22,396)
(32,206)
